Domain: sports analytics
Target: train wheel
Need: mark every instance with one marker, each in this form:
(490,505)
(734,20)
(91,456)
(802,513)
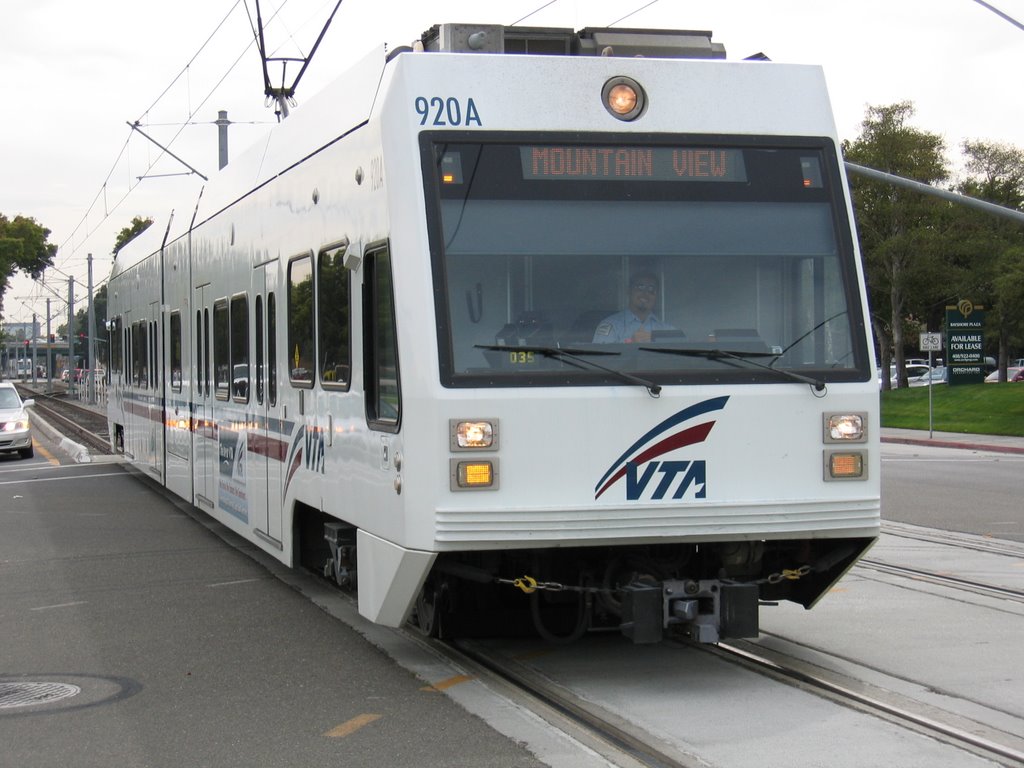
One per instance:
(428,611)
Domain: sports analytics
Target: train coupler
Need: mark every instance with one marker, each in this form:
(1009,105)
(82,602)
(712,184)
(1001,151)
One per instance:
(705,611)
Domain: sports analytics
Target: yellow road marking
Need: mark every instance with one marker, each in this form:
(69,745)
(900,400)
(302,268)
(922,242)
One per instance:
(446,684)
(350,727)
(46,454)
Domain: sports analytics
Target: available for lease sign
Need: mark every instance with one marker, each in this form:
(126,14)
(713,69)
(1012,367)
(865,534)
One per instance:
(965,343)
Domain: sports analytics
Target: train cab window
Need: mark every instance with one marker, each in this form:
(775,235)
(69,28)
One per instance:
(272,348)
(240,348)
(300,354)
(221,350)
(333,319)
(383,390)
(175,324)
(740,244)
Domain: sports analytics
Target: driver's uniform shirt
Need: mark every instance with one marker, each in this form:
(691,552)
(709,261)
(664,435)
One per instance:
(620,327)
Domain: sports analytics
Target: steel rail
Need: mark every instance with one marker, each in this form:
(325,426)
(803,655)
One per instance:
(952,734)
(942,579)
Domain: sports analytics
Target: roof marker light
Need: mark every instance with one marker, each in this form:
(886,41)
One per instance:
(624,98)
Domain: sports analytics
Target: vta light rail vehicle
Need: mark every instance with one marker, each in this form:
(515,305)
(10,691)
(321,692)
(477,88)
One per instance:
(522,328)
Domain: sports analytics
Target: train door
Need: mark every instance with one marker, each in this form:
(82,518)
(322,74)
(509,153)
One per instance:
(204,436)
(268,447)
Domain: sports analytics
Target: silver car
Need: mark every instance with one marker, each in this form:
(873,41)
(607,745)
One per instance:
(15,425)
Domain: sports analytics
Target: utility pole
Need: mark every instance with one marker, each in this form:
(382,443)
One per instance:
(35,346)
(71,332)
(91,315)
(49,352)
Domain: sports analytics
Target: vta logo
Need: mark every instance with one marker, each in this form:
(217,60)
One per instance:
(680,478)
(693,476)
(315,449)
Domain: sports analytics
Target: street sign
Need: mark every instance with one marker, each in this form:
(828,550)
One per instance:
(931,342)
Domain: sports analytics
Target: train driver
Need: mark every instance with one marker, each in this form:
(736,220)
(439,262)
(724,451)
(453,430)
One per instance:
(636,322)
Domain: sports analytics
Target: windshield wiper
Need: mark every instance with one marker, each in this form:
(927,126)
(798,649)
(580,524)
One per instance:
(572,356)
(743,357)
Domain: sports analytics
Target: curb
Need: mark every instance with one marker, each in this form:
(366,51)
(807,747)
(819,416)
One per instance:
(76,451)
(1019,450)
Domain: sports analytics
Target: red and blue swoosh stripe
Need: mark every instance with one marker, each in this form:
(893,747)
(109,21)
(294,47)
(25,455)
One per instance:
(637,454)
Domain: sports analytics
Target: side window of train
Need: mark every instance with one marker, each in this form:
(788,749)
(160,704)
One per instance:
(116,349)
(206,352)
(199,352)
(258,372)
(333,327)
(300,355)
(272,348)
(240,348)
(154,356)
(221,350)
(176,351)
(142,356)
(382,383)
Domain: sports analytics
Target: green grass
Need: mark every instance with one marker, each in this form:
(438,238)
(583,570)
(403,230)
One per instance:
(984,409)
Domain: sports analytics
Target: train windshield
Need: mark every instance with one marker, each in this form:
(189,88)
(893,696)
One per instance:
(563,263)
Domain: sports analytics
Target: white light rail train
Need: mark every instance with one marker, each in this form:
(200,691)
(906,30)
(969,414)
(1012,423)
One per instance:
(522,330)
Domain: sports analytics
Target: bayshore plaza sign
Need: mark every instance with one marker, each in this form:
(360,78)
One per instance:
(964,343)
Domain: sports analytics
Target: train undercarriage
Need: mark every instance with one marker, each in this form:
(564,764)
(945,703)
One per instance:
(706,592)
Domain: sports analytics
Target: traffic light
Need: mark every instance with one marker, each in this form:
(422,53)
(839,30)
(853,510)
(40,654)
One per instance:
(51,338)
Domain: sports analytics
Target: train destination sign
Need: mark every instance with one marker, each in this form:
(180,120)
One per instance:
(611,163)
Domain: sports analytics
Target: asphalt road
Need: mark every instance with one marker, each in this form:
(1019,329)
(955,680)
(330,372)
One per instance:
(187,651)
(971,491)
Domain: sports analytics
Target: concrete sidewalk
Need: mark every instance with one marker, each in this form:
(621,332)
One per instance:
(997,443)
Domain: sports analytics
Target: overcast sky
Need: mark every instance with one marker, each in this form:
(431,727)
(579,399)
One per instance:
(77,72)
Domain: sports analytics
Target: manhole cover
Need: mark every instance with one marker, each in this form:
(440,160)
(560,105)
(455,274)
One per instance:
(30,694)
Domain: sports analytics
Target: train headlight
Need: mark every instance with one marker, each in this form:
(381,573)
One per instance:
(845,428)
(473,435)
(624,98)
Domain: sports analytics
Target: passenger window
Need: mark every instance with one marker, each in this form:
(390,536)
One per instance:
(142,359)
(199,352)
(300,357)
(258,373)
(333,319)
(240,348)
(383,390)
(221,350)
(272,349)
(176,351)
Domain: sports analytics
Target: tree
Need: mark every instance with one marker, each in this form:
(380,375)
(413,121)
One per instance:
(996,174)
(129,233)
(23,246)
(900,243)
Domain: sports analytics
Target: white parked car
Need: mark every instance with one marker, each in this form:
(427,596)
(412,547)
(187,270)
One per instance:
(15,425)
(913,371)
(937,375)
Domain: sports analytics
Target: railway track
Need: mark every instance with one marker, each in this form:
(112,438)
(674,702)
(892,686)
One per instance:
(939,725)
(79,423)
(627,744)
